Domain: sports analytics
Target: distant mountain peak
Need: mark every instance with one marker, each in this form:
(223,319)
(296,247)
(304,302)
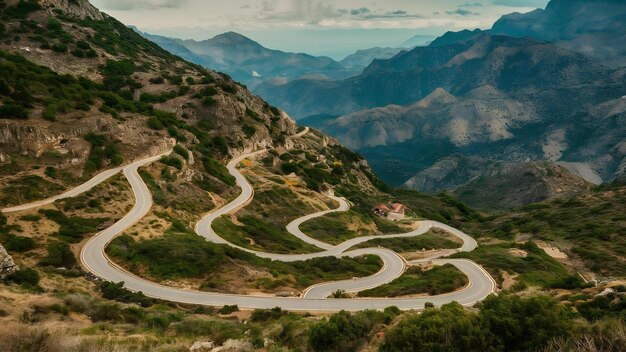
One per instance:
(439,97)
(233,38)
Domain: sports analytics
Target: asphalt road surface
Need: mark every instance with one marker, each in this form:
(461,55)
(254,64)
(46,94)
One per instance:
(314,298)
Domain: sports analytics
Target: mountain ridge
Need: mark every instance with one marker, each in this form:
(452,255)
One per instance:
(503,100)
(250,63)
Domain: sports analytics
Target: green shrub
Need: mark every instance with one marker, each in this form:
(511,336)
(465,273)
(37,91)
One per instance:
(180,150)
(154,123)
(228,309)
(72,229)
(207,80)
(251,113)
(18,243)
(26,277)
(27,188)
(78,53)
(345,331)
(209,101)
(50,112)
(54,24)
(263,315)
(59,255)
(536,269)
(184,90)
(102,150)
(426,241)
(289,168)
(569,282)
(22,9)
(81,44)
(248,131)
(504,323)
(59,48)
(157,193)
(205,92)
(30,217)
(436,281)
(176,80)
(172,161)
(217,170)
(117,291)
(160,98)
(183,254)
(157,80)
(228,87)
(11,110)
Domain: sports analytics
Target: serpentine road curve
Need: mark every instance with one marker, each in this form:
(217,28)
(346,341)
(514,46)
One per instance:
(96,261)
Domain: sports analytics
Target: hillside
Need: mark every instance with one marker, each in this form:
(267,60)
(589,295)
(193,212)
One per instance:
(82,96)
(112,97)
(588,229)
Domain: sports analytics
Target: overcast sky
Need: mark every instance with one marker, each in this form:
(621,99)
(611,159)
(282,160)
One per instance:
(315,26)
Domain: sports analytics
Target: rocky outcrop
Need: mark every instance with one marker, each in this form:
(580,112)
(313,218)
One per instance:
(229,346)
(234,346)
(202,346)
(7,266)
(77,8)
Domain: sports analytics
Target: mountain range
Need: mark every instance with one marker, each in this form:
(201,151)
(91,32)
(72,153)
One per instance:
(121,161)
(502,95)
(250,63)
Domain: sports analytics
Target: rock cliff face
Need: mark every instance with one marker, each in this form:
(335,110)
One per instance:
(77,8)
(7,266)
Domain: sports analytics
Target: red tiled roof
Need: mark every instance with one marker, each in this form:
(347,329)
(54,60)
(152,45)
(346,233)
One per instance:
(397,207)
(382,207)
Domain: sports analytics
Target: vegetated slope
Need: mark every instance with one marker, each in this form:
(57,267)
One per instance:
(250,63)
(481,185)
(212,119)
(590,226)
(136,99)
(112,97)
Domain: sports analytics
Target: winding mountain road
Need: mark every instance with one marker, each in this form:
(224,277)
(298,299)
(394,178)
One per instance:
(93,182)
(314,298)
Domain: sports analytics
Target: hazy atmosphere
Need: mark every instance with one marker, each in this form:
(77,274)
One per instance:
(317,27)
(313,175)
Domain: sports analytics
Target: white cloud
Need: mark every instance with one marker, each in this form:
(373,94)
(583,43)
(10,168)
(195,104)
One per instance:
(521,3)
(125,5)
